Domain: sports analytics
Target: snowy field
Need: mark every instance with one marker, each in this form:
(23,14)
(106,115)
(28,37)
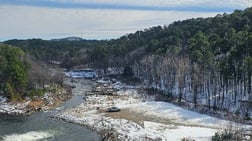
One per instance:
(151,121)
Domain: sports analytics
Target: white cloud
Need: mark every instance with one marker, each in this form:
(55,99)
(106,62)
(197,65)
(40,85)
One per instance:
(206,3)
(38,22)
(42,22)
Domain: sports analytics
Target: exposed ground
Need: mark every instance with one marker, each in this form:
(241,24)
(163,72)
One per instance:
(138,118)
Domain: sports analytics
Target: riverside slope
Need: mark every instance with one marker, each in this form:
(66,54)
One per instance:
(41,103)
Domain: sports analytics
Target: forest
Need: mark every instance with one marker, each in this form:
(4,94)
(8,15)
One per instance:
(203,61)
(21,75)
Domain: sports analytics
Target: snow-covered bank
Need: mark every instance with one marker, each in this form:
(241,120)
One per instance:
(177,133)
(49,100)
(142,118)
(14,108)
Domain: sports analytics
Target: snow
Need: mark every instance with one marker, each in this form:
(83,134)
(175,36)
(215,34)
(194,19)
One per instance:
(179,123)
(179,115)
(176,133)
(17,108)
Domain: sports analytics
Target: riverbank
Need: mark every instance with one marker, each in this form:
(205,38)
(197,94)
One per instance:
(40,125)
(49,100)
(141,117)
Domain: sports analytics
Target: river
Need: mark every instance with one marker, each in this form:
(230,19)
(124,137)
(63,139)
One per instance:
(40,126)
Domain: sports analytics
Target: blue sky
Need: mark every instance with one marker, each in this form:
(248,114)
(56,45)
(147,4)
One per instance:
(100,19)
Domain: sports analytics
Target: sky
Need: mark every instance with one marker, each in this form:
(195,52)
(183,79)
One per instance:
(100,19)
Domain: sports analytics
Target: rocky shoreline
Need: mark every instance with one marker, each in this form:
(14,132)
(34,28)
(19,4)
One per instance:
(28,106)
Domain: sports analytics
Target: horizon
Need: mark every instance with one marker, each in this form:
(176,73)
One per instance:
(100,19)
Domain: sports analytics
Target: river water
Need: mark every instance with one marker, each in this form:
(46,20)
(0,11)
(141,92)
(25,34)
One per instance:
(40,126)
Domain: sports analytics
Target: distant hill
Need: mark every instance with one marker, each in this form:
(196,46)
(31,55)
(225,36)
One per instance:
(69,39)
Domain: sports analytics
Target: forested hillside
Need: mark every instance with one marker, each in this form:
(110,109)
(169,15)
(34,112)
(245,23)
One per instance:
(70,53)
(13,71)
(21,75)
(206,61)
